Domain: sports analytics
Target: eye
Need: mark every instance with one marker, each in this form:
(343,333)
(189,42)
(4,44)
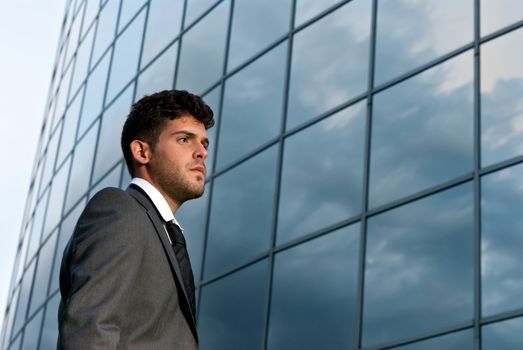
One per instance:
(183,139)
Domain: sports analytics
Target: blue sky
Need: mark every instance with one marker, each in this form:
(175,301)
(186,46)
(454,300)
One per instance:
(29,31)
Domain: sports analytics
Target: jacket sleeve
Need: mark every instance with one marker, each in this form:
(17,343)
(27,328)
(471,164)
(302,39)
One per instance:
(100,268)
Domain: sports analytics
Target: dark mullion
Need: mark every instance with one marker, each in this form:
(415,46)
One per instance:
(278,175)
(217,137)
(365,188)
(477,179)
(177,41)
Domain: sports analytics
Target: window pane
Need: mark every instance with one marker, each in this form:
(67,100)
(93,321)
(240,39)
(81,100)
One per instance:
(50,160)
(252,106)
(196,8)
(337,71)
(43,273)
(82,62)
(38,221)
(496,14)
(192,217)
(23,299)
(241,213)
(56,200)
(232,310)
(419,267)
(82,160)
(50,330)
(159,75)
(69,130)
(66,231)
(9,318)
(501,104)
(297,294)
(321,187)
(163,26)
(501,241)
(125,57)
(255,25)
(91,10)
(422,131)
(105,30)
(306,9)
(128,10)
(110,180)
(203,51)
(94,94)
(109,150)
(212,99)
(506,335)
(455,341)
(411,33)
(32,332)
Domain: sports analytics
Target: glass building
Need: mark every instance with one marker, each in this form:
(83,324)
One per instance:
(367,167)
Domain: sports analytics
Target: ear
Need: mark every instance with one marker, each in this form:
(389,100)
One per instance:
(140,151)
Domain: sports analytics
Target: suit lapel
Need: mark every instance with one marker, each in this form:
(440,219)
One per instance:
(163,236)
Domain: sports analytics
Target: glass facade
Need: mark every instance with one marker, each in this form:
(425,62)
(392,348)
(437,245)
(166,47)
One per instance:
(367,164)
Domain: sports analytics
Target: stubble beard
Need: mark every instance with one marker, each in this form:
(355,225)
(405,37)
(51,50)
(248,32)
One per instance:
(180,189)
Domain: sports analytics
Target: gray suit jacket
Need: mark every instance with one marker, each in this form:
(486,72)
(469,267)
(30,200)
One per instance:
(119,280)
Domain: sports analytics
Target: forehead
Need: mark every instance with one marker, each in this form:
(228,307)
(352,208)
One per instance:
(187,123)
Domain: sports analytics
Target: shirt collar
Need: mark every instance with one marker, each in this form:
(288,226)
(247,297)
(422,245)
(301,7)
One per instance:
(156,197)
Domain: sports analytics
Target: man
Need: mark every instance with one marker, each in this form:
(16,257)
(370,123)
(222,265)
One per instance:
(125,278)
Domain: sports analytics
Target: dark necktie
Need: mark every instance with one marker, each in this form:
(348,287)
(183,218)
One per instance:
(180,250)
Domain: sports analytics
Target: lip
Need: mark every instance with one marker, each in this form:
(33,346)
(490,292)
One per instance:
(199,168)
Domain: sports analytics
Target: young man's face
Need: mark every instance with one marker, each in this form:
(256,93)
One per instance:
(177,164)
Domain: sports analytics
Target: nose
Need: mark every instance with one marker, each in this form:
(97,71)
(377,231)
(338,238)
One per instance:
(201,152)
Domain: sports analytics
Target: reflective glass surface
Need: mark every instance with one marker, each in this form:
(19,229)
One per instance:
(110,180)
(501,103)
(496,14)
(196,8)
(82,160)
(50,160)
(69,129)
(203,50)
(411,33)
(94,94)
(32,332)
(82,62)
(325,79)
(419,267)
(23,299)
(212,99)
(506,335)
(159,75)
(256,24)
(61,96)
(109,150)
(43,273)
(163,25)
(422,132)
(91,10)
(232,310)
(66,230)
(125,56)
(37,223)
(192,216)
(72,40)
(241,213)
(56,199)
(322,174)
(9,319)
(501,240)
(128,10)
(306,9)
(252,106)
(463,340)
(50,328)
(105,29)
(313,303)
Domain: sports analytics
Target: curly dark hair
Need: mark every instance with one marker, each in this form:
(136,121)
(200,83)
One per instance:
(149,115)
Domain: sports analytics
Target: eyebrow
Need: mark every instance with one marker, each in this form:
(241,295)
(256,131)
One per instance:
(191,134)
